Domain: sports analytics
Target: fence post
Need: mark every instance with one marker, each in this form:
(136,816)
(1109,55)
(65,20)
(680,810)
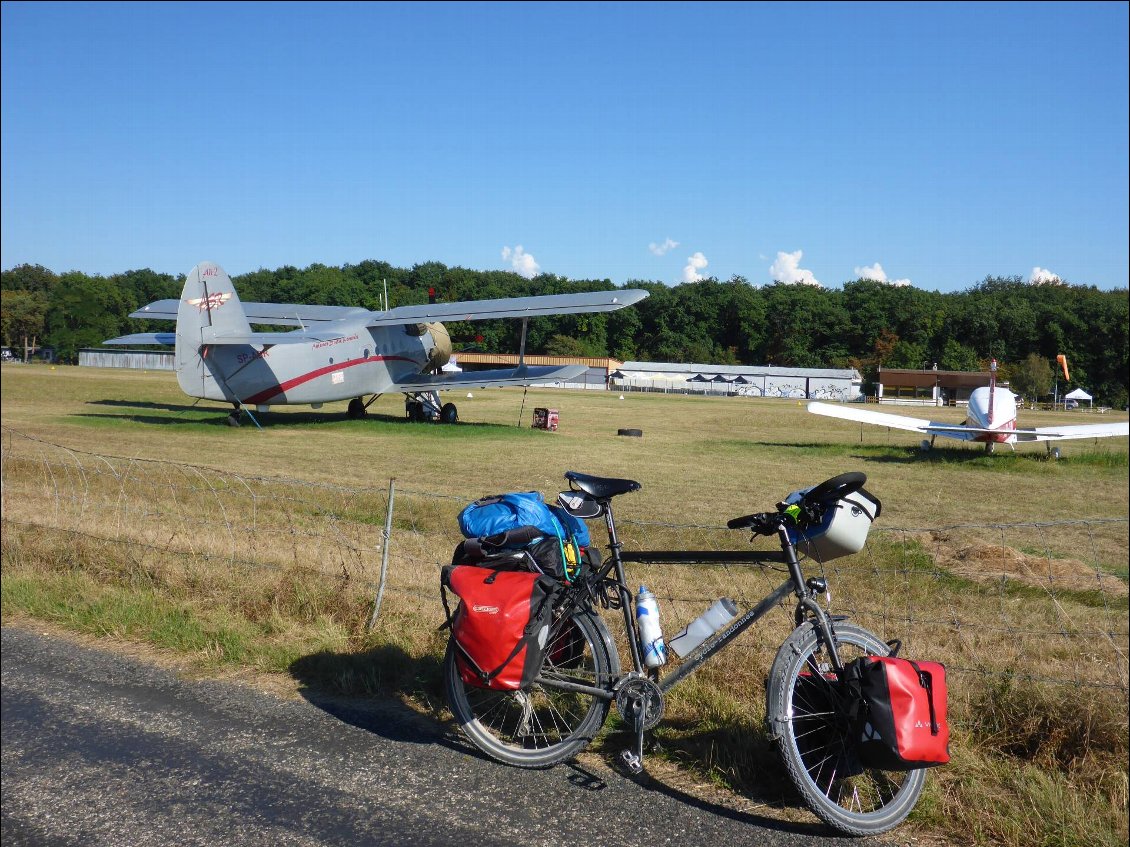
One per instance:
(387,535)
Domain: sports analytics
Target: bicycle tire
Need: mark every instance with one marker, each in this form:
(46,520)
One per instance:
(540,726)
(814,740)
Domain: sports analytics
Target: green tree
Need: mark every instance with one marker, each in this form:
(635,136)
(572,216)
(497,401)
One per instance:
(22,316)
(84,312)
(1032,378)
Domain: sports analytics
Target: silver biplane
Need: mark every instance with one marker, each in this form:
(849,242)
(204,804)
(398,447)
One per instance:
(340,352)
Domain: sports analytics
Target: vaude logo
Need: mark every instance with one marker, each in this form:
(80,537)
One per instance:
(485,610)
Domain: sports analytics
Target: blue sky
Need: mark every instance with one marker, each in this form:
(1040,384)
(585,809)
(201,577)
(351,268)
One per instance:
(931,143)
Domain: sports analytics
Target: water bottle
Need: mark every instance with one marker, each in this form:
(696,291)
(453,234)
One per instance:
(651,634)
(704,626)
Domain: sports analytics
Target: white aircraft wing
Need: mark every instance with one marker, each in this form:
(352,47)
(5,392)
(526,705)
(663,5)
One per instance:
(509,307)
(1063,433)
(306,315)
(488,379)
(277,314)
(850,413)
(210,336)
(166,338)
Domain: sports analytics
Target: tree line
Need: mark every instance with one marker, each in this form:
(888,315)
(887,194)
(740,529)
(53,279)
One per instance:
(865,324)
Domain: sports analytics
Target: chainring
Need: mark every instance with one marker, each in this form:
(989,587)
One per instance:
(640,702)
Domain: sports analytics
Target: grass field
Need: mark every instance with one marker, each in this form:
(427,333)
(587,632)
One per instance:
(1002,566)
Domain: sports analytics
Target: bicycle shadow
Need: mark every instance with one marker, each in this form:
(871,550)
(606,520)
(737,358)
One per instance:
(372,691)
(727,804)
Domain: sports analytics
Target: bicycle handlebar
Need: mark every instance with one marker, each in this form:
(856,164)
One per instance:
(762,523)
(810,505)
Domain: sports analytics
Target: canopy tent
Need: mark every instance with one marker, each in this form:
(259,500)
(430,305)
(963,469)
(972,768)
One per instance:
(1079,395)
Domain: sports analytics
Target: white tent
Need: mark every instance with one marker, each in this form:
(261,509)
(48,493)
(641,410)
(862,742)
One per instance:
(1079,395)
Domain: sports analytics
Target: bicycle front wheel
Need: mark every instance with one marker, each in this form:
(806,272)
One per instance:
(808,721)
(542,725)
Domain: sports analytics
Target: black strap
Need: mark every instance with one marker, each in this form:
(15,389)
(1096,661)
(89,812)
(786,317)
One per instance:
(926,680)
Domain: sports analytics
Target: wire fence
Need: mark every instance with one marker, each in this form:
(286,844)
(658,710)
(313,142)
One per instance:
(1042,602)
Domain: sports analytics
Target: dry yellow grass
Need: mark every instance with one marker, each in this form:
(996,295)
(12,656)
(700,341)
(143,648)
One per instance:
(949,568)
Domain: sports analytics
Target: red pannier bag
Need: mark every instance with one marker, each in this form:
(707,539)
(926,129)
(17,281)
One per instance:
(902,721)
(501,624)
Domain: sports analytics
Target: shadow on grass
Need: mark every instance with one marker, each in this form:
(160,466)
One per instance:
(371,691)
(218,416)
(938,455)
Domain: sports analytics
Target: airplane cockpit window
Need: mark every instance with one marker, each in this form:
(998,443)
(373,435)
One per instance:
(415,330)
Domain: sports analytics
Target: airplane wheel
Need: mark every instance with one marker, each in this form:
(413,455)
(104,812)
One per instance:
(414,411)
(925,445)
(990,447)
(1055,453)
(448,414)
(356,409)
(233,419)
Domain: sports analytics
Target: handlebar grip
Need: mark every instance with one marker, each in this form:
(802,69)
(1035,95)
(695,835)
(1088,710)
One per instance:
(744,521)
(762,523)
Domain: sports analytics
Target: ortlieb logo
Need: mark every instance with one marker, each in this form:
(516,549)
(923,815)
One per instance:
(484,610)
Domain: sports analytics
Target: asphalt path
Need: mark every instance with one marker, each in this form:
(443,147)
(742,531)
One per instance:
(102,749)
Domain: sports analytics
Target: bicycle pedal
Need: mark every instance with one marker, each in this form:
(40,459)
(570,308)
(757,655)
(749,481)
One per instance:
(631,761)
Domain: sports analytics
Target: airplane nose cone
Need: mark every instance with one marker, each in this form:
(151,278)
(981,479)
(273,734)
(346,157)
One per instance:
(440,353)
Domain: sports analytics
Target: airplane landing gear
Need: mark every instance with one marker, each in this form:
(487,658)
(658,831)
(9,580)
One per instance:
(233,418)
(425,406)
(356,409)
(990,447)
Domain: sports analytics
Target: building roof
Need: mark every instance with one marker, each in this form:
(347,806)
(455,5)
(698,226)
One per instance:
(929,378)
(511,359)
(732,372)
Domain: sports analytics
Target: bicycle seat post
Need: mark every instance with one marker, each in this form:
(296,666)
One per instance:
(615,547)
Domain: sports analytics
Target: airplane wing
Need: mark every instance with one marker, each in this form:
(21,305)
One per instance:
(304,315)
(1058,433)
(509,307)
(488,379)
(277,314)
(166,338)
(850,413)
(210,336)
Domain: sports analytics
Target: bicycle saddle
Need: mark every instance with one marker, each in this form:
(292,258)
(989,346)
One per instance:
(602,488)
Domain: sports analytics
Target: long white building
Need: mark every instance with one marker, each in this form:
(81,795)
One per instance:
(744,380)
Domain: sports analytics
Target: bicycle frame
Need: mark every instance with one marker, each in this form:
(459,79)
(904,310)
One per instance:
(807,607)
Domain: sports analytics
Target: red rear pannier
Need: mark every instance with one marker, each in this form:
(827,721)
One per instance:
(903,720)
(501,625)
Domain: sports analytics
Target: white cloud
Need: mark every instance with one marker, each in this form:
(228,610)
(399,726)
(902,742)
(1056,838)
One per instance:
(661,249)
(787,269)
(877,273)
(1042,276)
(695,264)
(522,262)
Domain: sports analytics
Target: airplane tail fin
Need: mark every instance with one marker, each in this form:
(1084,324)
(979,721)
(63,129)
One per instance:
(209,307)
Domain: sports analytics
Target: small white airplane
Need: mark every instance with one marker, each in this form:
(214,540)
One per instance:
(991,419)
(339,352)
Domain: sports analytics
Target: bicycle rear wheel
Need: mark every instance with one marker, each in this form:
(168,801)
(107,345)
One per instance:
(808,721)
(542,725)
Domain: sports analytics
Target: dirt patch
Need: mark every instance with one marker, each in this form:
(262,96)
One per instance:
(990,563)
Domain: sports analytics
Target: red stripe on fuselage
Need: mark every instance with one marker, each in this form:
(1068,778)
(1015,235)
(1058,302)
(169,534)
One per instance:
(282,388)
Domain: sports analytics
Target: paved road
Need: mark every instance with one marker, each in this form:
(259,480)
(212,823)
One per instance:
(99,749)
